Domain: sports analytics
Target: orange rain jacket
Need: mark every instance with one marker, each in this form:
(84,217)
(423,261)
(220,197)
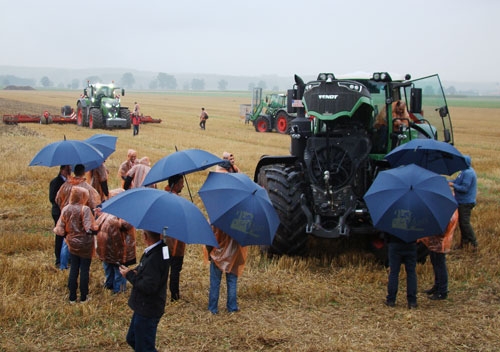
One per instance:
(115,240)
(230,257)
(442,243)
(75,222)
(63,195)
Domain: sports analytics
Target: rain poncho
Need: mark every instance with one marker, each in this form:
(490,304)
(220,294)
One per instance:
(136,175)
(76,222)
(98,178)
(63,195)
(230,257)
(114,239)
(442,243)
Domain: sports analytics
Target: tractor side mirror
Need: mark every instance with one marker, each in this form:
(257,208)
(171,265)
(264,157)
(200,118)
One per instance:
(416,100)
(443,111)
(123,92)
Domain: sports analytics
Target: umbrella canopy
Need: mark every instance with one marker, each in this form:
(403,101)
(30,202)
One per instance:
(240,207)
(431,154)
(67,152)
(410,202)
(162,212)
(105,143)
(181,162)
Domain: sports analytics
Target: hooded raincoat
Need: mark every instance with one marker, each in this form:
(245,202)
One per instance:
(112,239)
(442,243)
(63,195)
(230,257)
(76,222)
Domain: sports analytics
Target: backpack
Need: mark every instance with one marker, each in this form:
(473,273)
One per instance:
(206,116)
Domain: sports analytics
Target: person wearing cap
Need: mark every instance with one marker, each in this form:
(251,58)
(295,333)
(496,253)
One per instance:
(228,165)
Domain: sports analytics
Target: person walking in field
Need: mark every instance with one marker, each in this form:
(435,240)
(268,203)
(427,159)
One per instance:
(203,118)
(136,118)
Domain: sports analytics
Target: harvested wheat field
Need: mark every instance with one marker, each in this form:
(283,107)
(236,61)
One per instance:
(287,304)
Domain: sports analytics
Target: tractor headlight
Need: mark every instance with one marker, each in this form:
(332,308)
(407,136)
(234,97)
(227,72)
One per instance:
(108,105)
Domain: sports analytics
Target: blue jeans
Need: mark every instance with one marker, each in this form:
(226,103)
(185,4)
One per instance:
(438,261)
(114,280)
(79,266)
(64,256)
(402,253)
(141,334)
(213,296)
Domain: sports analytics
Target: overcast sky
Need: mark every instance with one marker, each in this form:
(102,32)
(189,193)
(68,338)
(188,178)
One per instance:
(457,39)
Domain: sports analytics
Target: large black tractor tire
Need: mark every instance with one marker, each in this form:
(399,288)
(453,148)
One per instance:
(285,184)
(125,114)
(262,124)
(95,119)
(282,124)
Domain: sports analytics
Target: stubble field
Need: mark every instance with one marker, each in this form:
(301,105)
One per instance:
(287,304)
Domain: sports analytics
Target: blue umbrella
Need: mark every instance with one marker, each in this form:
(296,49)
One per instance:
(431,154)
(105,143)
(240,207)
(180,162)
(410,202)
(163,212)
(67,152)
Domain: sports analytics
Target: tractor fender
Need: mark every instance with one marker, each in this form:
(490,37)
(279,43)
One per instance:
(83,102)
(270,160)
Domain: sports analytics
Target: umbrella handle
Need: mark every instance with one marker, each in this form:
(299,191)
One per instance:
(185,180)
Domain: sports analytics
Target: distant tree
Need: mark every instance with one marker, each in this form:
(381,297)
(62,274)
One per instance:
(222,84)
(198,84)
(153,84)
(451,90)
(128,80)
(262,85)
(429,90)
(45,82)
(74,83)
(6,82)
(251,86)
(166,81)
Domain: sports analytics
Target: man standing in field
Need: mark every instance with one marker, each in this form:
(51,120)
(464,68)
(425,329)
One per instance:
(55,185)
(465,187)
(203,118)
(149,292)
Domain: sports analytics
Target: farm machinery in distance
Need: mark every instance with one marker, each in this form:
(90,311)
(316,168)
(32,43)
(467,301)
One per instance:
(337,150)
(270,113)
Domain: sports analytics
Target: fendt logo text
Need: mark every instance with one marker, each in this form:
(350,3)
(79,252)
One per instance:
(328,97)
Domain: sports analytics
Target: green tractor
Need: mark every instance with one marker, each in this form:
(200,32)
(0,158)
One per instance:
(275,116)
(99,107)
(342,131)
